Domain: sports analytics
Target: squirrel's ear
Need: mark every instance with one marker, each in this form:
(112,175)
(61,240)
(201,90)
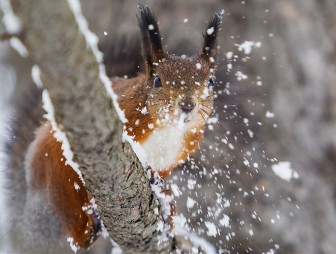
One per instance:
(151,38)
(210,38)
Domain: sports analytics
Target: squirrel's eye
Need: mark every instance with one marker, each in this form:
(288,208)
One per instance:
(157,82)
(212,82)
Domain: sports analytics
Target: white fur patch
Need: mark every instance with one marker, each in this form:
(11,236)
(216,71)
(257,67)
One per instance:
(163,146)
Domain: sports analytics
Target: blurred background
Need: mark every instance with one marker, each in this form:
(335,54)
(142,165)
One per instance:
(275,114)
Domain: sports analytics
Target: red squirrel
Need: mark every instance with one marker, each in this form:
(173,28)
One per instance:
(166,107)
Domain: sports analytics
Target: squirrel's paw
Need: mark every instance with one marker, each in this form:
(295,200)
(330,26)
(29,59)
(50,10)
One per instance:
(154,177)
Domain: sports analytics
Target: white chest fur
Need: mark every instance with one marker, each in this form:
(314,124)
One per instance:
(163,146)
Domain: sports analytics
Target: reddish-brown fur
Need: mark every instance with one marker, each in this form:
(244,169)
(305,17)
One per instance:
(49,174)
(132,96)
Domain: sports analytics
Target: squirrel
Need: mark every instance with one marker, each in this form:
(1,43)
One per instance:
(167,108)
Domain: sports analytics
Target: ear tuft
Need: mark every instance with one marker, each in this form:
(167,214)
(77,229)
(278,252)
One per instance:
(150,32)
(210,36)
(151,39)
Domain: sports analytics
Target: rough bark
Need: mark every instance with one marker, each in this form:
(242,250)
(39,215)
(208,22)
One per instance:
(111,170)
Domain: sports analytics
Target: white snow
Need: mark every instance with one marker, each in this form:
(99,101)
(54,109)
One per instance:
(269,114)
(247,46)
(36,75)
(231,146)
(175,189)
(212,120)
(198,66)
(272,251)
(240,76)
(165,201)
(226,203)
(180,221)
(212,229)
(77,187)
(19,47)
(195,239)
(246,162)
(91,207)
(150,27)
(284,171)
(191,184)
(190,203)
(144,111)
(10,20)
(229,55)
(115,248)
(137,148)
(74,246)
(160,226)
(210,30)
(205,93)
(225,221)
(104,232)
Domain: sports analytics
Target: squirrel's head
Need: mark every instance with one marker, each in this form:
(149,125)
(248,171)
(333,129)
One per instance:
(180,88)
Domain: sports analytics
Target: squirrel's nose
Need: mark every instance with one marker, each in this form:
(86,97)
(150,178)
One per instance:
(187,106)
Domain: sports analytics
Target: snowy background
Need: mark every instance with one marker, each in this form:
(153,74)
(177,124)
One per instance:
(263,181)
